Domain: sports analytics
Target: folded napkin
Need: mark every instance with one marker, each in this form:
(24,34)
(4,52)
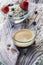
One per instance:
(8,51)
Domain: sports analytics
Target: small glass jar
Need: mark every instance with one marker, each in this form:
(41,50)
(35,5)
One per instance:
(23,42)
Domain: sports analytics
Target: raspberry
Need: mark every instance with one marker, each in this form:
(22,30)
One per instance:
(5,9)
(24,5)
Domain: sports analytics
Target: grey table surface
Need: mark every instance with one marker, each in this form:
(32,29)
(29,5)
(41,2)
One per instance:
(28,55)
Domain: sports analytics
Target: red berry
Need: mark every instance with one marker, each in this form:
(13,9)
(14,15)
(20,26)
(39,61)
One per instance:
(24,5)
(5,9)
(24,0)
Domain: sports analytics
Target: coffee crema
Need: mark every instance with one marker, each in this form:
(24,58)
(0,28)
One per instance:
(23,35)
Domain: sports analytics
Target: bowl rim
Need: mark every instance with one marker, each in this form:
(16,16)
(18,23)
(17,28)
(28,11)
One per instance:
(27,40)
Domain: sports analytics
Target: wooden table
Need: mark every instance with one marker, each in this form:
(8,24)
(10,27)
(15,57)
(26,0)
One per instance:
(25,56)
(28,55)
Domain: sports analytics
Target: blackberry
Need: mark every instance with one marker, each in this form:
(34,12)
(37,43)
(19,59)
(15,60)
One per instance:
(35,12)
(10,15)
(12,26)
(34,23)
(10,4)
(12,9)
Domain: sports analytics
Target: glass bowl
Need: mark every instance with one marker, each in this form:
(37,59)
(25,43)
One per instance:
(23,40)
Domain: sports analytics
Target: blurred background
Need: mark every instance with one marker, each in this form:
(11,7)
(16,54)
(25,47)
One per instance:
(37,1)
(5,2)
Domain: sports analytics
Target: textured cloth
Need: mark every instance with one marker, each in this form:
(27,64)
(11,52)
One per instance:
(8,52)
